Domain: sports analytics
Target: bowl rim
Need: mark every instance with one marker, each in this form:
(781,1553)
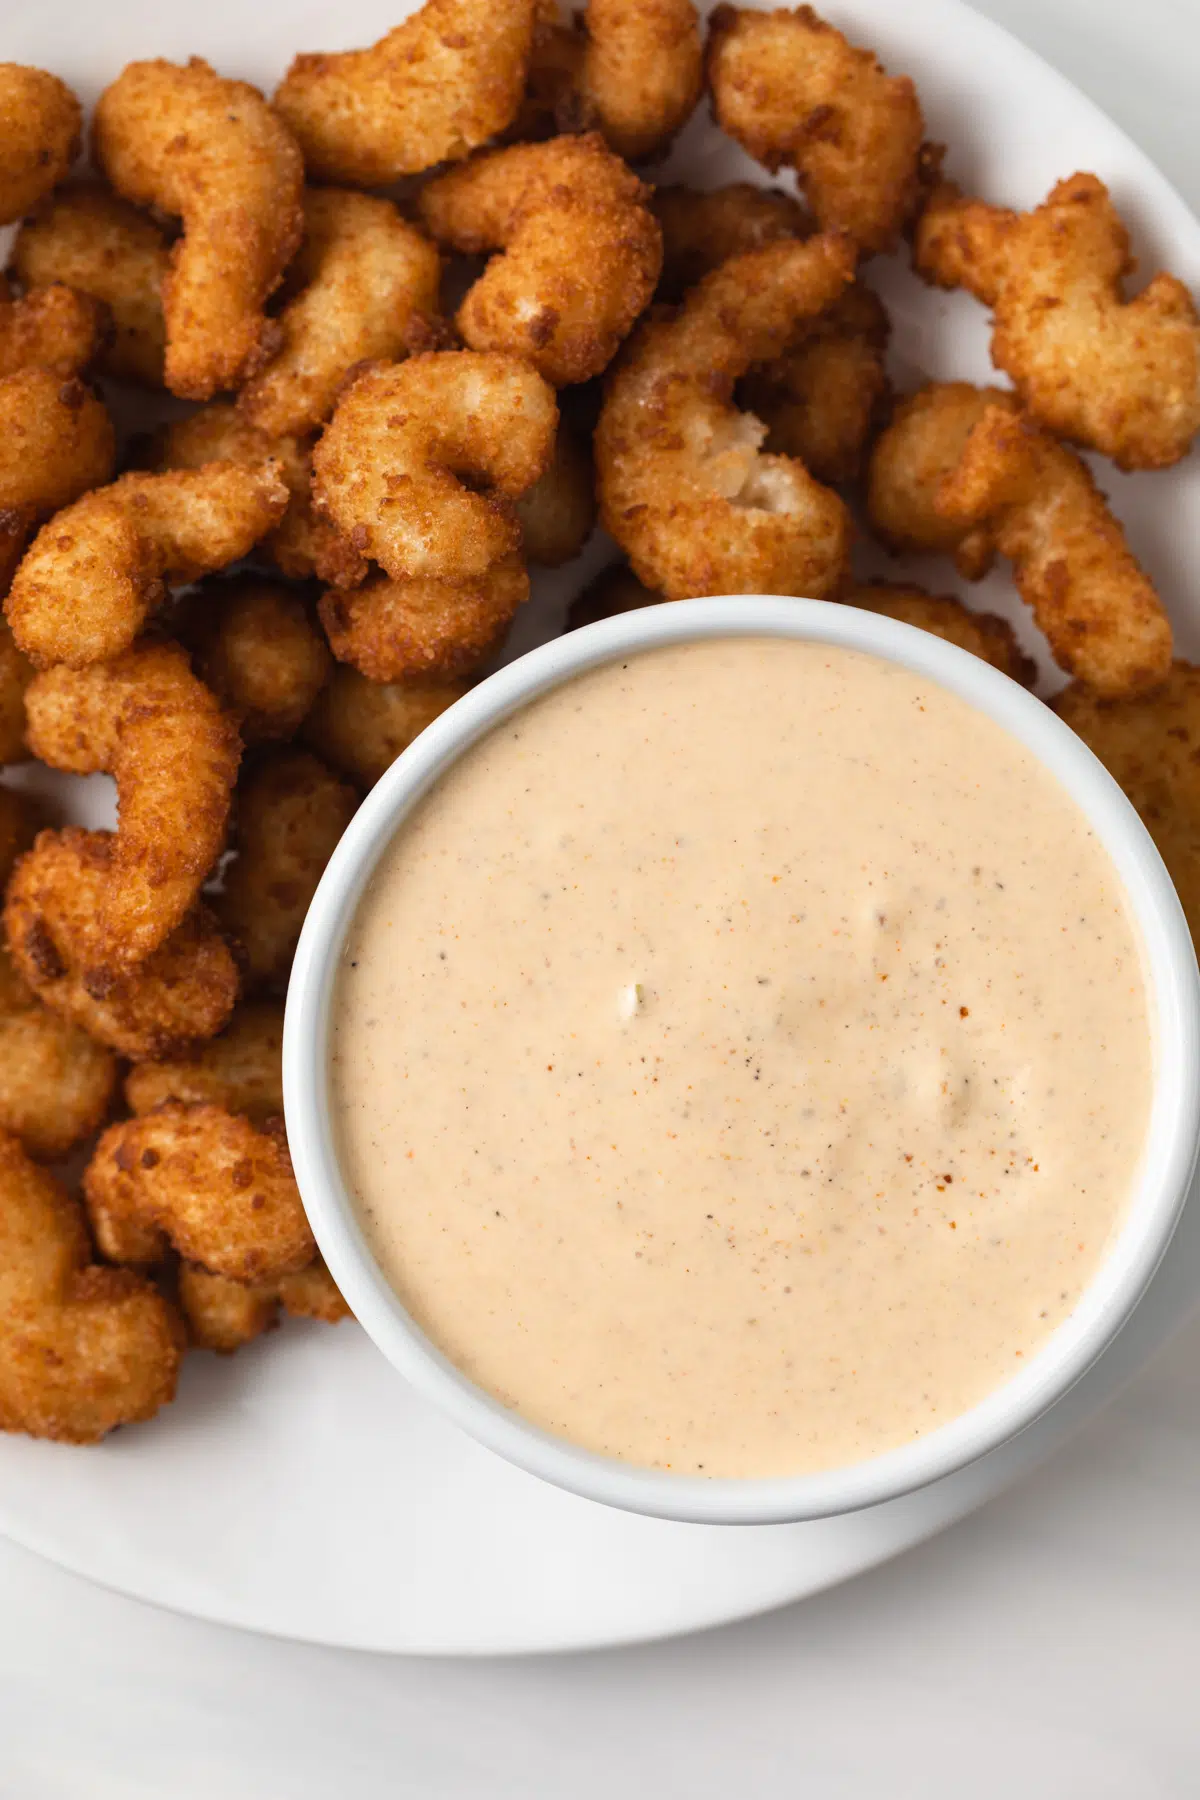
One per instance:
(1173,1132)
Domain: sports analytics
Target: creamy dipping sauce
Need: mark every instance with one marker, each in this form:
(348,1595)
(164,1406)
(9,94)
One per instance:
(741,1058)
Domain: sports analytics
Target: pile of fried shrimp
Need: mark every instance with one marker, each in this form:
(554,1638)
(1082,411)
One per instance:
(417,322)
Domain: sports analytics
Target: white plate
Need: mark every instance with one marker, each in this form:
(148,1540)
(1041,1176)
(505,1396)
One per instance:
(299,1488)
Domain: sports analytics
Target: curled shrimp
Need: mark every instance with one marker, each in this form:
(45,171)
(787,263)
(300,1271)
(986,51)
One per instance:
(56,1083)
(360,727)
(57,442)
(50,327)
(41,123)
(257,646)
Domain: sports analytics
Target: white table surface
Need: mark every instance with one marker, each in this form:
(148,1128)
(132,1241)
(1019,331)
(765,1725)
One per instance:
(1046,1649)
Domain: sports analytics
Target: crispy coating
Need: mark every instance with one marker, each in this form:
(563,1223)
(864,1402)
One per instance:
(241,1070)
(552,102)
(985,635)
(580,251)
(1102,618)
(1120,376)
(642,72)
(98,244)
(1151,748)
(559,510)
(40,128)
(910,460)
(16,672)
(82,1348)
(360,727)
(216,156)
(443,82)
(207,1183)
(796,94)
(56,1083)
(49,327)
(98,570)
(57,442)
(20,822)
(223,1315)
(683,486)
(303,544)
(387,471)
(615,590)
(291,813)
(366,278)
(424,628)
(701,230)
(180,995)
(145,719)
(256,646)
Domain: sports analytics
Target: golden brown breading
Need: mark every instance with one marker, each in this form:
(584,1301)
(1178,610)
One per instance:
(100,245)
(257,647)
(795,93)
(1119,376)
(214,154)
(182,994)
(366,278)
(291,813)
(580,251)
(641,72)
(223,1315)
(1098,609)
(360,727)
(82,1348)
(703,229)
(56,1083)
(20,822)
(424,629)
(241,1070)
(57,442)
(446,80)
(985,635)
(683,486)
(16,673)
(388,469)
(559,510)
(40,127)
(616,590)
(98,570)
(204,1181)
(145,719)
(49,327)
(910,460)
(1151,748)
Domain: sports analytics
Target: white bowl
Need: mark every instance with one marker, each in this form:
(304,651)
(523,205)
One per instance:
(1164,1176)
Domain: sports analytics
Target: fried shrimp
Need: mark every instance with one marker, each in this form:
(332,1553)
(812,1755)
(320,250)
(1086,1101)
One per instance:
(388,469)
(241,1070)
(214,154)
(145,719)
(57,442)
(41,124)
(423,628)
(98,570)
(180,995)
(796,94)
(49,327)
(1120,376)
(1149,746)
(985,635)
(360,727)
(255,644)
(442,83)
(559,510)
(16,673)
(641,72)
(1103,620)
(581,251)
(291,813)
(98,244)
(82,1348)
(56,1083)
(911,459)
(683,486)
(203,1181)
(222,1315)
(701,230)
(366,276)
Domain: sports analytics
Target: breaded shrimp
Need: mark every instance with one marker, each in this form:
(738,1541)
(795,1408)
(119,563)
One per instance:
(795,93)
(82,1348)
(360,727)
(366,276)
(703,229)
(683,486)
(255,644)
(985,635)
(50,327)
(100,245)
(16,673)
(615,590)
(1100,614)
(912,458)
(222,1315)
(443,82)
(241,1070)
(98,570)
(57,442)
(559,510)
(581,251)
(1119,376)
(56,1083)
(214,154)
(291,813)
(207,1183)
(145,719)
(181,994)
(41,124)
(642,72)
(387,471)
(424,628)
